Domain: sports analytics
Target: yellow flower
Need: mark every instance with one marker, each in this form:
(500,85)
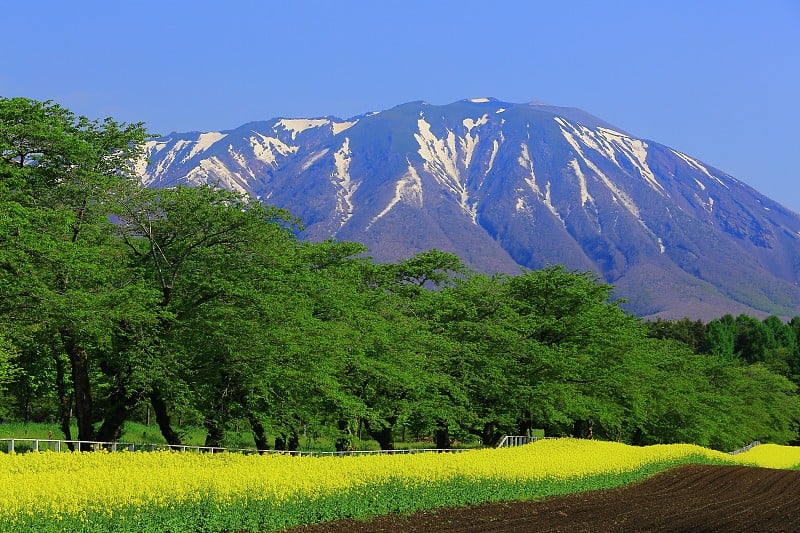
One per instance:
(79,483)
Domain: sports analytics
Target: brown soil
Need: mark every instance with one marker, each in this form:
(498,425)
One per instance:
(689,498)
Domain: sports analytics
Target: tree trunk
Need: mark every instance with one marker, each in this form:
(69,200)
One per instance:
(581,429)
(162,417)
(64,401)
(287,442)
(442,435)
(344,441)
(259,433)
(489,435)
(524,426)
(113,422)
(215,435)
(638,437)
(121,404)
(384,434)
(84,411)
(294,441)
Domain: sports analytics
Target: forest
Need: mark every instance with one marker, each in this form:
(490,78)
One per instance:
(201,305)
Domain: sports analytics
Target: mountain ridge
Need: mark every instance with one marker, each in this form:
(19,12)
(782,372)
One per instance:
(509,186)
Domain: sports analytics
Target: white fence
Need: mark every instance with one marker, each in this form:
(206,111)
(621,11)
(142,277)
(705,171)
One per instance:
(24,445)
(746,448)
(519,440)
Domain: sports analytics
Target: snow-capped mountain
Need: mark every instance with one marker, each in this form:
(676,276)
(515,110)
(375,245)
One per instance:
(507,186)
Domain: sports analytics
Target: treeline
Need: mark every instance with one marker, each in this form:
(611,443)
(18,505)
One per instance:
(202,304)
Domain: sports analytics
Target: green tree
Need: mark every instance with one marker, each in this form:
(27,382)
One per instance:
(721,337)
(690,332)
(753,339)
(217,259)
(62,267)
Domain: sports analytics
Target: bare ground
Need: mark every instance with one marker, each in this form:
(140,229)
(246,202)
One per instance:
(691,498)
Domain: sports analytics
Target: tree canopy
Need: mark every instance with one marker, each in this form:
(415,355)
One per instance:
(202,304)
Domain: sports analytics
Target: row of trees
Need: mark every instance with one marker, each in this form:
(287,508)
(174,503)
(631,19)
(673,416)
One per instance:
(770,341)
(202,303)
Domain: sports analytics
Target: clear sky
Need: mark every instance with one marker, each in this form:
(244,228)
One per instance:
(717,79)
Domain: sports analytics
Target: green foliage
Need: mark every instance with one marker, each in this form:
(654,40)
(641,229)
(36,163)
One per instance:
(202,303)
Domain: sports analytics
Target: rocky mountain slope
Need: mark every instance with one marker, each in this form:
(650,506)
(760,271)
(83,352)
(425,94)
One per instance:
(507,186)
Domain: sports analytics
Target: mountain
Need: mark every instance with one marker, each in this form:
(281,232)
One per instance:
(507,186)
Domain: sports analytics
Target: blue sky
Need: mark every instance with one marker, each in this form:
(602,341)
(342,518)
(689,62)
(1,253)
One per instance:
(719,80)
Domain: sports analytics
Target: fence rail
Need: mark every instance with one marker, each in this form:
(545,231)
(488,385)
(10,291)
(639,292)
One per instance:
(519,440)
(23,445)
(746,448)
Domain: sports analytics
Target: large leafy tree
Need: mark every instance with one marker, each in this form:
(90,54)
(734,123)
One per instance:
(220,262)
(64,275)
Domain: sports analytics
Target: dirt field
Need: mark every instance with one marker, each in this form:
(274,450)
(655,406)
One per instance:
(690,498)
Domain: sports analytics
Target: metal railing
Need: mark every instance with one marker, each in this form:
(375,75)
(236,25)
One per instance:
(746,448)
(519,440)
(25,445)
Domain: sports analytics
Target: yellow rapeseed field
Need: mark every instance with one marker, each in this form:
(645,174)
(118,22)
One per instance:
(76,484)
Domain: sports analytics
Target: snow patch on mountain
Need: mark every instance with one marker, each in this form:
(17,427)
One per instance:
(299,125)
(495,148)
(344,183)
(204,142)
(408,189)
(710,205)
(468,142)
(313,158)
(472,123)
(440,158)
(151,148)
(240,160)
(636,152)
(213,169)
(548,201)
(164,164)
(611,144)
(619,195)
(695,164)
(584,190)
(525,162)
(339,127)
(266,149)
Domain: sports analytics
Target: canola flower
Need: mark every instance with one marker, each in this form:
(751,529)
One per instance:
(772,456)
(79,486)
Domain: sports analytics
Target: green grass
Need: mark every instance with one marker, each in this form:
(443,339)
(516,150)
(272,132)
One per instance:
(133,432)
(138,433)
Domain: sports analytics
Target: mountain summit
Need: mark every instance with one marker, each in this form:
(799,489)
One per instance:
(506,186)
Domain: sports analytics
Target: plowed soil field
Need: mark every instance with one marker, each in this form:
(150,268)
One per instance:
(689,498)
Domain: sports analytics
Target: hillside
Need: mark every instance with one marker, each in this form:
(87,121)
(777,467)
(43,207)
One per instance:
(509,186)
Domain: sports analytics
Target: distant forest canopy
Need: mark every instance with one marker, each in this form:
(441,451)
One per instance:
(202,304)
